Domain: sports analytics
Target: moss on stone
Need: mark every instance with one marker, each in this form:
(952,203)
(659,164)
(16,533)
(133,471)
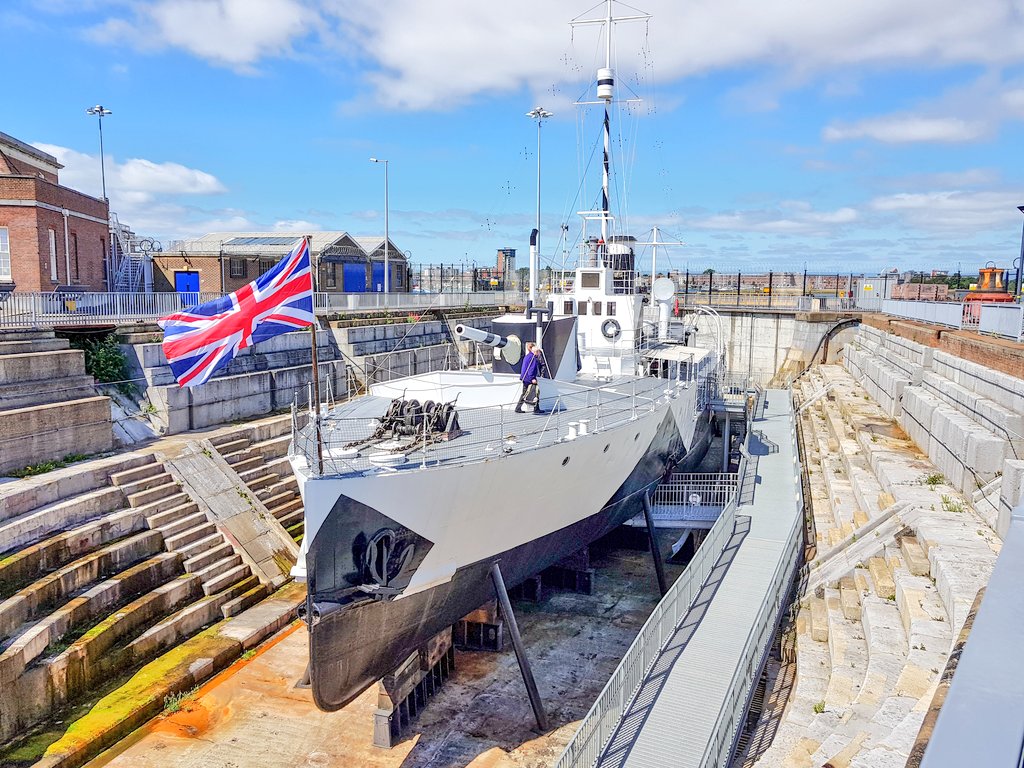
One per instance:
(142,696)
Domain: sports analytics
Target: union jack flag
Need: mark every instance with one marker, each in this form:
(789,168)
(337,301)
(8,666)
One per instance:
(201,340)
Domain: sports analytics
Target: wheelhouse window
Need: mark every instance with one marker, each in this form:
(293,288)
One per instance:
(611,309)
(590,279)
(567,307)
(597,307)
(581,308)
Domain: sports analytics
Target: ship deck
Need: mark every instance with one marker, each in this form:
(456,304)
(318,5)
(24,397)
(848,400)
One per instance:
(486,432)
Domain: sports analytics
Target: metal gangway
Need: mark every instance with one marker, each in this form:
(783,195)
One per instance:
(680,695)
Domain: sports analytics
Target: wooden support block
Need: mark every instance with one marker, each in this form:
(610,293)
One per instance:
(860,518)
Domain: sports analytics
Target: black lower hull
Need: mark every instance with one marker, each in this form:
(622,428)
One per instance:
(352,647)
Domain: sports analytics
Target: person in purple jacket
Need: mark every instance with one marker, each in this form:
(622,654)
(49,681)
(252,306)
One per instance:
(528,375)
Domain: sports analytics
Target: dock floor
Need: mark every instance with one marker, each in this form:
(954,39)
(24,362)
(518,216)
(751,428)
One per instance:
(254,715)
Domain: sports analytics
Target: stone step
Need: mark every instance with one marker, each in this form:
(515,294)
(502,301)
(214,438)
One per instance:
(218,567)
(226,579)
(230,447)
(204,544)
(25,335)
(207,557)
(248,598)
(819,620)
(275,499)
(287,484)
(38,392)
(274,447)
(41,595)
(33,562)
(182,524)
(137,473)
(848,653)
(163,505)
(849,598)
(246,464)
(258,478)
(218,441)
(146,483)
(33,345)
(914,556)
(885,588)
(172,514)
(17,532)
(178,541)
(296,531)
(185,622)
(155,493)
(290,518)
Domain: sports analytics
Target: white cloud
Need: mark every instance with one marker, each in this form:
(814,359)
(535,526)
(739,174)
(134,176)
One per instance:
(966,213)
(432,56)
(295,225)
(135,180)
(233,33)
(901,129)
(792,218)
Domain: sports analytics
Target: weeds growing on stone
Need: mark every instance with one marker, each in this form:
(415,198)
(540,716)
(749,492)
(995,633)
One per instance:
(949,504)
(819,707)
(933,479)
(173,702)
(48,466)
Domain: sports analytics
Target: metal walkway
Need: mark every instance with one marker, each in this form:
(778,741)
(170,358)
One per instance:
(694,690)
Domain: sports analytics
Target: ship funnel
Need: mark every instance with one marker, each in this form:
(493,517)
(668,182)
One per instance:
(605,83)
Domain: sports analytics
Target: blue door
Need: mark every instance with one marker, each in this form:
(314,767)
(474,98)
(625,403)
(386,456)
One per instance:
(378,277)
(186,284)
(354,276)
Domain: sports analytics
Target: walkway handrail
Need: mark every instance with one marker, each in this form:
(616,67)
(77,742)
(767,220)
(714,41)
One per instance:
(720,748)
(27,309)
(597,727)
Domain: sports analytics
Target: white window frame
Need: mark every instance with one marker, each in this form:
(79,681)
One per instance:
(5,256)
(53,255)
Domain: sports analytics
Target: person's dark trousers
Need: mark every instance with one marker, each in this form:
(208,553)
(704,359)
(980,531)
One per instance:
(522,399)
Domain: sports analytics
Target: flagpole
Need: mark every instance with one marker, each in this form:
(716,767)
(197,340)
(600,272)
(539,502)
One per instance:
(313,272)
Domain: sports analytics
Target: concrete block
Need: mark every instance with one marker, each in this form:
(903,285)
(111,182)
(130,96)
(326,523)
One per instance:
(819,620)
(849,598)
(885,588)
(914,556)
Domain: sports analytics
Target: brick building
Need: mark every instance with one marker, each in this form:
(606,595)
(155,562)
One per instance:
(222,262)
(50,235)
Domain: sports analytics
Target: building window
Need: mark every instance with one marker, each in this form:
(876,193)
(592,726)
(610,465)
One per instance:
(74,254)
(331,275)
(5,255)
(53,254)
(237,267)
(266,265)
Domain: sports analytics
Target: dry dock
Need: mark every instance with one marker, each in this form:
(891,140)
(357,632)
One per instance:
(253,713)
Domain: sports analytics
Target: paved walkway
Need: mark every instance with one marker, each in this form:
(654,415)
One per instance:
(674,714)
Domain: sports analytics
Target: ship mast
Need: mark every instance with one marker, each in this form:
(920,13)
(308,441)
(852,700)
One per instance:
(605,95)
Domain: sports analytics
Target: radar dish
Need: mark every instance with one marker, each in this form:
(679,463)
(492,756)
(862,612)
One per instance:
(512,352)
(663,289)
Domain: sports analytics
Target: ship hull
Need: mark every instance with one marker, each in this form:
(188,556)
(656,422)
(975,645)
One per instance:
(355,644)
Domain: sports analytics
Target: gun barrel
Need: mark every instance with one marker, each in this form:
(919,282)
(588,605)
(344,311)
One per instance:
(475,334)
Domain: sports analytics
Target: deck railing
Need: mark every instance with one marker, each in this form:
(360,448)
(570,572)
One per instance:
(697,489)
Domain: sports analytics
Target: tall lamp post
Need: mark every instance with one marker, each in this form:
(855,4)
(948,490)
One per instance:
(100,112)
(540,115)
(387,243)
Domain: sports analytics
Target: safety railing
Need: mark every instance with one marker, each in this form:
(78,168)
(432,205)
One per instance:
(725,300)
(1003,319)
(35,310)
(489,432)
(598,725)
(732,713)
(697,489)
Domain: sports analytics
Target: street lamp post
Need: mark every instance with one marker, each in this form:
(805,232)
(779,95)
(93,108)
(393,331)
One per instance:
(387,243)
(540,115)
(100,112)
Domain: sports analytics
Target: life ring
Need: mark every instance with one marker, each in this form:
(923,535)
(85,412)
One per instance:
(611,329)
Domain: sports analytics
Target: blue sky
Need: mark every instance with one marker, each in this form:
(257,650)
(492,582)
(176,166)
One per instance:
(772,134)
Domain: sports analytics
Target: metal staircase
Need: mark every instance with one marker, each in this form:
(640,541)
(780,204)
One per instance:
(128,256)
